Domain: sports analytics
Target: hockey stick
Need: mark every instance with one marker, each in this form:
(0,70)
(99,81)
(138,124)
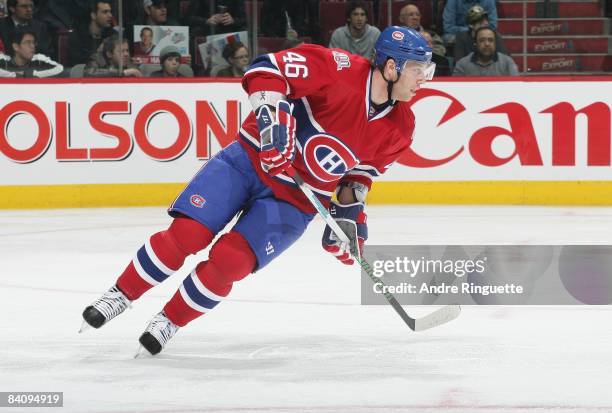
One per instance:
(438,317)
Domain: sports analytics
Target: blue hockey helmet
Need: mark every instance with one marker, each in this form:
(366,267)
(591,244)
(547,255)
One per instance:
(401,44)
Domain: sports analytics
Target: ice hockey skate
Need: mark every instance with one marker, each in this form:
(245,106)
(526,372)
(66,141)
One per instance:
(157,334)
(110,305)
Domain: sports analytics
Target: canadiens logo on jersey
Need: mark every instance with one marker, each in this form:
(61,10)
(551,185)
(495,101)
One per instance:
(336,135)
(197,201)
(328,159)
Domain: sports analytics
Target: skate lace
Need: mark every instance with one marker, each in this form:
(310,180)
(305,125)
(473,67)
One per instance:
(112,303)
(162,328)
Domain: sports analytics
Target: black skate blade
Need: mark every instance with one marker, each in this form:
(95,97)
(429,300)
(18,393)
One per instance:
(150,343)
(93,317)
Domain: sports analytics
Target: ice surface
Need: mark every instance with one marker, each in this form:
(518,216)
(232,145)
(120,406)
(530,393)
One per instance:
(293,338)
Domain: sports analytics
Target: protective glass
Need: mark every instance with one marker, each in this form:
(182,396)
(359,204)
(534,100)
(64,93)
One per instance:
(422,70)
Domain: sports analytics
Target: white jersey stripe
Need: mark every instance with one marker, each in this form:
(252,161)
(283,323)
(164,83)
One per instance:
(275,63)
(155,259)
(190,302)
(368,101)
(310,116)
(359,173)
(263,69)
(142,273)
(367,95)
(282,176)
(251,139)
(368,167)
(202,289)
(285,178)
(383,113)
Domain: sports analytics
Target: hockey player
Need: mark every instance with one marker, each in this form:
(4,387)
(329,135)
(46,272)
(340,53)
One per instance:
(334,118)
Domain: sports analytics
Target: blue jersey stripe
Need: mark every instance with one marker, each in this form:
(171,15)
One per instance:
(262,61)
(248,141)
(147,265)
(304,127)
(358,171)
(197,297)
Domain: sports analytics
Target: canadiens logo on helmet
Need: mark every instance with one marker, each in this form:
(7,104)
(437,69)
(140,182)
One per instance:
(397,35)
(328,159)
(197,201)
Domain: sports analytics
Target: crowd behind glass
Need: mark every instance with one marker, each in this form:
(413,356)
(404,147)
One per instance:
(184,38)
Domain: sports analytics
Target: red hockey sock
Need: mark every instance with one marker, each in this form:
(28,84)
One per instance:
(162,255)
(230,260)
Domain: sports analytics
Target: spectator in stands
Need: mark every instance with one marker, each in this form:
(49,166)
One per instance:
(442,64)
(485,60)
(157,13)
(61,17)
(60,14)
(237,55)
(357,36)
(145,45)
(215,17)
(2,9)
(455,12)
(24,62)
(21,15)
(170,59)
(86,40)
(208,17)
(410,16)
(112,61)
(475,18)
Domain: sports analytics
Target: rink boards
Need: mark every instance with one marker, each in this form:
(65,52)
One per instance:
(542,141)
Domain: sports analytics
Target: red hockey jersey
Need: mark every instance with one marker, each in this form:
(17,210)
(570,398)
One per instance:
(339,136)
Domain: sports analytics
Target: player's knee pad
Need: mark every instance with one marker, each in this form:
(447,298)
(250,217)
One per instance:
(230,260)
(232,257)
(188,235)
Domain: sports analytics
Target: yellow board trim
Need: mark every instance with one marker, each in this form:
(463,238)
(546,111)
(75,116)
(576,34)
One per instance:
(445,193)
(493,193)
(85,196)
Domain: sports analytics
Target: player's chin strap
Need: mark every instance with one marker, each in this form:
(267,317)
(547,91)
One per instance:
(390,84)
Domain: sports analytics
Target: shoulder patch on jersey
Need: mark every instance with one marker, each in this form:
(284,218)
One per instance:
(197,201)
(342,60)
(327,158)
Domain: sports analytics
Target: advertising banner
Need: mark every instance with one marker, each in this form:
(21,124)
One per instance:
(477,132)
